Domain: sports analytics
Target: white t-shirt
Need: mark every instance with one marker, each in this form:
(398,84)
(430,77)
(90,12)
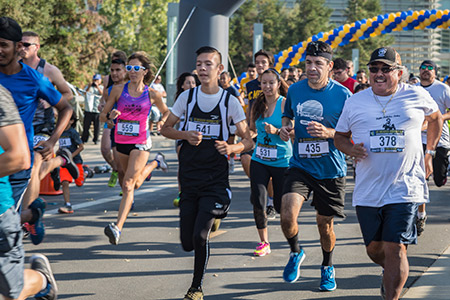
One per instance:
(394,171)
(440,92)
(207,102)
(160,88)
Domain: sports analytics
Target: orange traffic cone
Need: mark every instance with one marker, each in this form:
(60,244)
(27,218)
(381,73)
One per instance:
(47,187)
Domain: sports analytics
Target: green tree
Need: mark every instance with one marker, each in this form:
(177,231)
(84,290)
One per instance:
(358,10)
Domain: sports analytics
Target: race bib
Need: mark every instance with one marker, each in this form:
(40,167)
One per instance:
(209,128)
(128,128)
(65,142)
(38,138)
(313,148)
(266,152)
(387,141)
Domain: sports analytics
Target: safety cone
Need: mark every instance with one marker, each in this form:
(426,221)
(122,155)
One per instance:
(47,187)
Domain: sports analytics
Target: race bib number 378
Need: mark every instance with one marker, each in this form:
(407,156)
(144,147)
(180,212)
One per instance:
(387,141)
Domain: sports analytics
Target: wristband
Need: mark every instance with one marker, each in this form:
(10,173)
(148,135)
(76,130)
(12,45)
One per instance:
(431,152)
(278,131)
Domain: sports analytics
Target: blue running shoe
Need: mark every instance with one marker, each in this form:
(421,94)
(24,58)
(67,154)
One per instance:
(37,230)
(292,270)
(327,281)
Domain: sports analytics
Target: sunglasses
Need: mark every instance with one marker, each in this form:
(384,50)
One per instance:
(135,68)
(383,69)
(425,67)
(338,72)
(26,45)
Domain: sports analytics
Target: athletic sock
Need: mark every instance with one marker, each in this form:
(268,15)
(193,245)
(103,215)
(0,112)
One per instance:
(269,201)
(293,243)
(327,258)
(421,215)
(68,204)
(159,164)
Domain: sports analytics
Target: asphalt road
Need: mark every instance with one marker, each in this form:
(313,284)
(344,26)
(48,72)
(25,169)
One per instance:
(149,262)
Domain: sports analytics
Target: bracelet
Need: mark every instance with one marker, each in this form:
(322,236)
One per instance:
(278,131)
(108,114)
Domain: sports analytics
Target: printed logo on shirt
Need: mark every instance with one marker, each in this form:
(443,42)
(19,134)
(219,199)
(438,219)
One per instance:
(132,108)
(311,109)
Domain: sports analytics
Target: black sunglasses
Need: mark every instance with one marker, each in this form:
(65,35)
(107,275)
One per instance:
(26,45)
(383,69)
(425,67)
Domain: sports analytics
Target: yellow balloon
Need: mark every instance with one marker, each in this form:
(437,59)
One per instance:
(381,27)
(433,18)
(439,14)
(422,26)
(422,12)
(301,50)
(391,18)
(346,28)
(338,40)
(359,33)
(377,31)
(427,22)
(409,19)
(404,24)
(373,34)
(341,34)
(398,14)
(386,22)
(446,12)
(281,59)
(290,49)
(278,66)
(368,23)
(285,53)
(415,15)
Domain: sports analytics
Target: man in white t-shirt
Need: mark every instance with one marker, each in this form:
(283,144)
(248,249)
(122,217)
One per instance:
(385,124)
(440,92)
(203,165)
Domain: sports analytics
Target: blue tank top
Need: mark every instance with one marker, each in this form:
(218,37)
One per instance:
(270,149)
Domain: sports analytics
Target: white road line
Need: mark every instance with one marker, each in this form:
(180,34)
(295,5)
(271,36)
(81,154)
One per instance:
(115,198)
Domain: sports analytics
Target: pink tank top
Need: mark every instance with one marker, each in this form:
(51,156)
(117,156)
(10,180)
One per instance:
(132,125)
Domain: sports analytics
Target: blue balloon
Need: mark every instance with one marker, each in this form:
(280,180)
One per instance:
(433,25)
(320,35)
(358,24)
(410,12)
(386,16)
(398,20)
(410,26)
(300,45)
(375,24)
(388,30)
(363,21)
(427,14)
(433,11)
(421,18)
(445,18)
(403,15)
(353,30)
(291,55)
(415,23)
(380,19)
(336,31)
(370,30)
(439,22)
(366,34)
(315,38)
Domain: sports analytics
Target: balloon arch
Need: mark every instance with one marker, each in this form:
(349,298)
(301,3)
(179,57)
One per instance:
(367,28)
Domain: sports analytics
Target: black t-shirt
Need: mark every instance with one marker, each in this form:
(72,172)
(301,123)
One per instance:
(253,91)
(70,139)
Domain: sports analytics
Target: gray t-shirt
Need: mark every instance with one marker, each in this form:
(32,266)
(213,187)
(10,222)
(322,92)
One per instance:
(9,114)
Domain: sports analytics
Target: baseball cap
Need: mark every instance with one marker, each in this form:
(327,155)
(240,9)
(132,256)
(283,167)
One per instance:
(97,77)
(429,62)
(10,29)
(386,55)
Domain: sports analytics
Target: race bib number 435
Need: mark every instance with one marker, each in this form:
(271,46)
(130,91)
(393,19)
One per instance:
(387,141)
(313,148)
(129,128)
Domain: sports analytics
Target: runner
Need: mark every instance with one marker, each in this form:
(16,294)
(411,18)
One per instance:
(27,86)
(341,74)
(263,61)
(251,75)
(203,166)
(385,123)
(134,100)
(117,76)
(15,282)
(271,156)
(440,92)
(316,165)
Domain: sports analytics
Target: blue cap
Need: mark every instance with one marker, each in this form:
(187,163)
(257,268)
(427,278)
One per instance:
(97,77)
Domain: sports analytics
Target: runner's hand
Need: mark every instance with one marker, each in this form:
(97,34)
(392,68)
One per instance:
(284,132)
(223,147)
(317,129)
(114,114)
(269,128)
(428,165)
(45,149)
(194,137)
(358,152)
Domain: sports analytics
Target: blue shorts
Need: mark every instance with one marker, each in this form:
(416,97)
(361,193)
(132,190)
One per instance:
(391,223)
(19,182)
(11,254)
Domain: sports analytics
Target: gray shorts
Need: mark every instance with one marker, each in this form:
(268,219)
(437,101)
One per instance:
(11,254)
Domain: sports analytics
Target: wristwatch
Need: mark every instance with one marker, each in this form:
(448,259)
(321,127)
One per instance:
(431,152)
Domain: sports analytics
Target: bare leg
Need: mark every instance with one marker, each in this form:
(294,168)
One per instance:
(326,231)
(32,191)
(133,164)
(245,162)
(291,205)
(145,172)
(50,165)
(119,166)
(263,235)
(66,191)
(422,208)
(33,282)
(270,189)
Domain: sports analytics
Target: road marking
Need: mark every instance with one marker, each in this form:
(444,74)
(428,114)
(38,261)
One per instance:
(115,198)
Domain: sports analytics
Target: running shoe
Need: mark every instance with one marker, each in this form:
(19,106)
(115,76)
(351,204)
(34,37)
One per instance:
(70,164)
(162,162)
(113,179)
(262,249)
(194,294)
(420,223)
(41,264)
(327,281)
(176,201)
(37,229)
(66,209)
(271,213)
(292,270)
(113,233)
(56,180)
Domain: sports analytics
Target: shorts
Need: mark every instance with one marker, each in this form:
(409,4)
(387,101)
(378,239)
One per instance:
(390,223)
(65,175)
(440,165)
(251,151)
(155,114)
(127,148)
(329,194)
(215,200)
(11,254)
(19,182)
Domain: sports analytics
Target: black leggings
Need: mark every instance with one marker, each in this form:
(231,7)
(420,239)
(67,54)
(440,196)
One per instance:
(260,175)
(194,232)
